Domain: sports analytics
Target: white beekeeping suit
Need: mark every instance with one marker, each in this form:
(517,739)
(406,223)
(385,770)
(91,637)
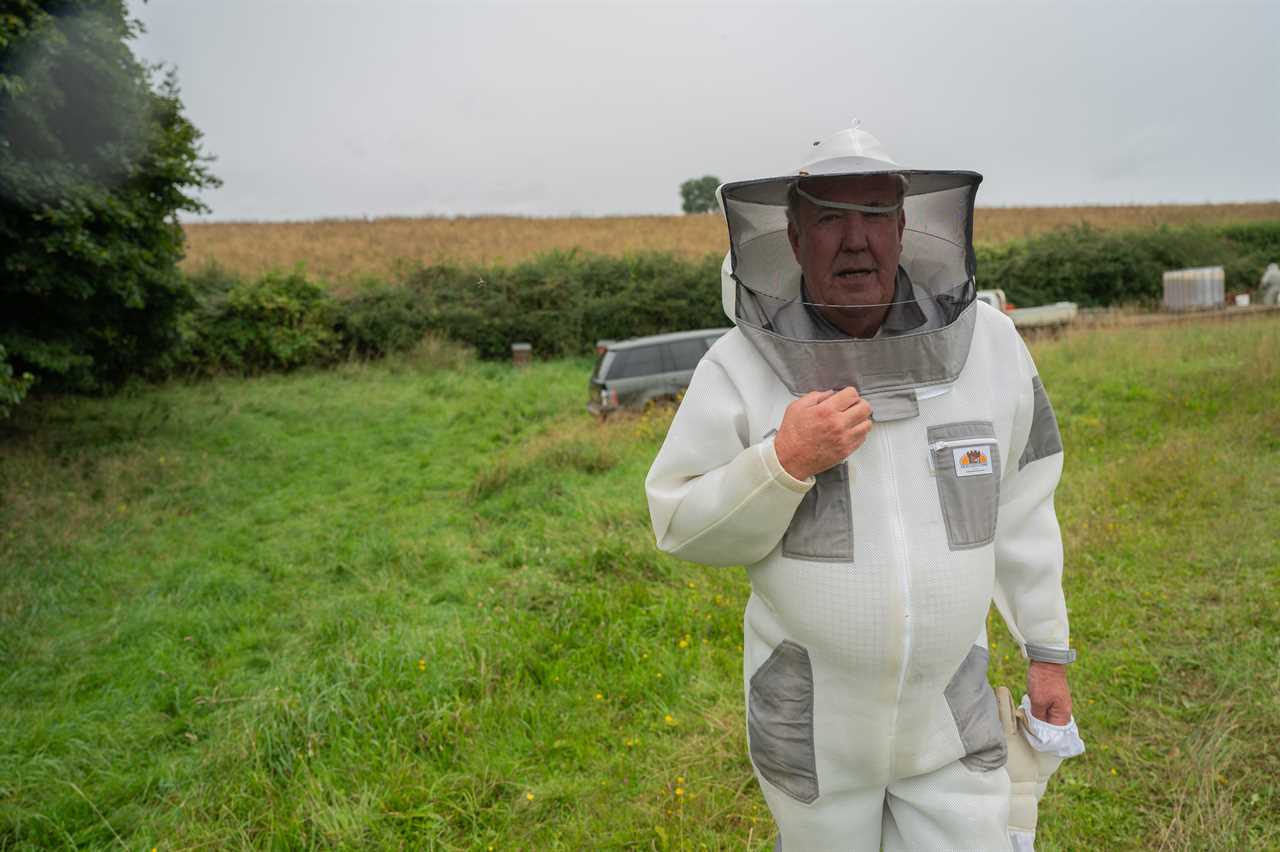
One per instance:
(870,720)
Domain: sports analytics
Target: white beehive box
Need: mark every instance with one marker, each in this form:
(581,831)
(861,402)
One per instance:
(1194,289)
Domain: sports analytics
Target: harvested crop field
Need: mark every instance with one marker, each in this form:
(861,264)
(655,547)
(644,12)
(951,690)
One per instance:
(344,249)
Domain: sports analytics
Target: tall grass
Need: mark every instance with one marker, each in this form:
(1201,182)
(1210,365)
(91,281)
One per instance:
(347,250)
(416,604)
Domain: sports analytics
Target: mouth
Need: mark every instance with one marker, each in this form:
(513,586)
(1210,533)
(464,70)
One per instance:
(855,273)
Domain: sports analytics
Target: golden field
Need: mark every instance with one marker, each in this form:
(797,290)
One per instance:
(347,249)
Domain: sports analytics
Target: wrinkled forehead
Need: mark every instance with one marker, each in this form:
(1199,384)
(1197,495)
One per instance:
(853,189)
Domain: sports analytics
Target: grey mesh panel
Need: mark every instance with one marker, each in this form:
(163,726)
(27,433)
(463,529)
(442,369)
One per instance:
(780,722)
(1045,654)
(821,530)
(870,365)
(969,503)
(973,706)
(937,255)
(936,246)
(1044,440)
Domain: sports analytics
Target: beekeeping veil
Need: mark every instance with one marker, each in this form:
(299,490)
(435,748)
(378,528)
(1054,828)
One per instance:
(762,281)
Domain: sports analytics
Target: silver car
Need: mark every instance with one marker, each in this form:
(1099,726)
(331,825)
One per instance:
(629,373)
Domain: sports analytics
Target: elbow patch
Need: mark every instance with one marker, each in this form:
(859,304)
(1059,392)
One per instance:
(1044,439)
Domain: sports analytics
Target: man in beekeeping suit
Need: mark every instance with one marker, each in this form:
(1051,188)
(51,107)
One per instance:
(876,446)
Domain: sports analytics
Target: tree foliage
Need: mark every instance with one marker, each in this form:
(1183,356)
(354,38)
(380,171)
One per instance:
(96,160)
(698,195)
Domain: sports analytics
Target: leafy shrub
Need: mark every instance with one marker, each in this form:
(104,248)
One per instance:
(13,387)
(96,159)
(1097,268)
(382,319)
(278,322)
(562,302)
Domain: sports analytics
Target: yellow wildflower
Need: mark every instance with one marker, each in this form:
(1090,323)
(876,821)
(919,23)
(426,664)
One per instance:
(529,796)
(599,696)
(679,791)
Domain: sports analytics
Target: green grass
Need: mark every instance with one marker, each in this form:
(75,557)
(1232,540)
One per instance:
(417,605)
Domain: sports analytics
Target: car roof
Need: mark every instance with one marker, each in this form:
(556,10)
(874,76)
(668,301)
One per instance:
(637,342)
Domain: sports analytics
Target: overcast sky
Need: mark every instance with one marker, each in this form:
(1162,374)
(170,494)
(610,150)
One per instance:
(379,108)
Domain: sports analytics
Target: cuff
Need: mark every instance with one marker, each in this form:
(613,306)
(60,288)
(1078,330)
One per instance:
(778,473)
(1049,654)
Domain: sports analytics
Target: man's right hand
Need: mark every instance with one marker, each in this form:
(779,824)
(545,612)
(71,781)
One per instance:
(821,429)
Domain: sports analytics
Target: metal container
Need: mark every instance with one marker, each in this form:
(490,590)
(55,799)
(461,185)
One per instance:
(521,354)
(1194,289)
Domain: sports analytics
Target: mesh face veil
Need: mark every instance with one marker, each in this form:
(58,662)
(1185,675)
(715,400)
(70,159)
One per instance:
(854,271)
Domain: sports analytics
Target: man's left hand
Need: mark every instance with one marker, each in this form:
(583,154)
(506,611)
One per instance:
(1050,695)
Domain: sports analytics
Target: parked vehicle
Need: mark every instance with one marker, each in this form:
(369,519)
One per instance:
(629,373)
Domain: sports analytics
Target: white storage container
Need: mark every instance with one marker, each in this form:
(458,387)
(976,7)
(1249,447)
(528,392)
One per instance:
(1194,289)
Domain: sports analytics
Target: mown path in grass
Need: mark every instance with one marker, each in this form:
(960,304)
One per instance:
(412,606)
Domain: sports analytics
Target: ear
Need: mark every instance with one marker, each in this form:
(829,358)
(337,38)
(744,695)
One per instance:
(793,236)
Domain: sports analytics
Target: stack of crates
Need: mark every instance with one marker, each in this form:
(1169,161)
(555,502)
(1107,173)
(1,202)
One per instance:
(1194,289)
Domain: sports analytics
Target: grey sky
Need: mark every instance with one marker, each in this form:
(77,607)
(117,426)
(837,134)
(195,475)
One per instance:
(381,108)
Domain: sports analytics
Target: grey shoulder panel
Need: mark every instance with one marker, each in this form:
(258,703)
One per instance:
(1044,440)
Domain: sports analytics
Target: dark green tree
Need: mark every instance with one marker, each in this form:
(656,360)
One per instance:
(96,160)
(698,195)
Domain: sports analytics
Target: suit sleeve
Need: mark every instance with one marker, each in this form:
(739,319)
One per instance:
(1028,545)
(715,498)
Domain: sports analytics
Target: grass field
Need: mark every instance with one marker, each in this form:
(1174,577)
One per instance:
(416,604)
(341,250)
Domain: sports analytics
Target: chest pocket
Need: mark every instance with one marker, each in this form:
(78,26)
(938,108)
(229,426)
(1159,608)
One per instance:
(965,459)
(822,528)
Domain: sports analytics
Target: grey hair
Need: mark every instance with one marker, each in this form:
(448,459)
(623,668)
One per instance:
(793,196)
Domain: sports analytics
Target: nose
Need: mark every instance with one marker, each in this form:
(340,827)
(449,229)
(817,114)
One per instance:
(854,236)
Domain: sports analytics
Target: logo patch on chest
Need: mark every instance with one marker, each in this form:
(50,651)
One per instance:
(972,461)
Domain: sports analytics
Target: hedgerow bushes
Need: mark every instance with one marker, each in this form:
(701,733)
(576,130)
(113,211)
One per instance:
(1097,268)
(278,322)
(563,302)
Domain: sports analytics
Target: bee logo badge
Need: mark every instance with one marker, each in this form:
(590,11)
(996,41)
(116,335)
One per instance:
(972,461)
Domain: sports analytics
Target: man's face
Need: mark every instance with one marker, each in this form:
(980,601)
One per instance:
(848,257)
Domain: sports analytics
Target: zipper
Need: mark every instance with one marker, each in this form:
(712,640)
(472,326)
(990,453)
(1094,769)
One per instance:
(962,442)
(900,542)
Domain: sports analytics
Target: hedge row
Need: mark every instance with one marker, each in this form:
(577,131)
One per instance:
(1097,268)
(563,302)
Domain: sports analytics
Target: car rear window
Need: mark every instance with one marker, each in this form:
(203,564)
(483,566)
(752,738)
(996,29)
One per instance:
(629,363)
(685,354)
